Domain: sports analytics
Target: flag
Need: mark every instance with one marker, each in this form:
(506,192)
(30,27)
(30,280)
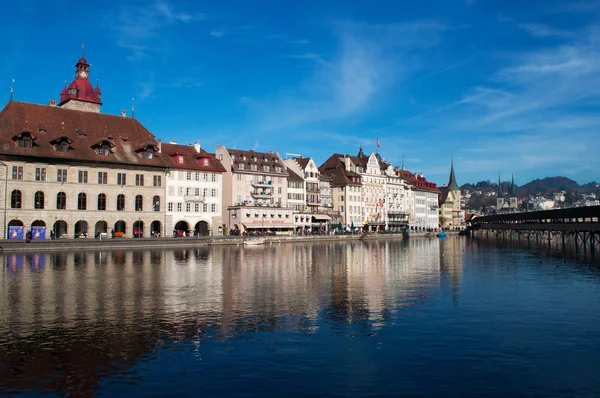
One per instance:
(377,141)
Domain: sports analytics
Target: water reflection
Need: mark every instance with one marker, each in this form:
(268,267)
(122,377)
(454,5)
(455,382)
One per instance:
(70,319)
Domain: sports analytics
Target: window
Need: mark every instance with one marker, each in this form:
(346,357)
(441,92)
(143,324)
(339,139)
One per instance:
(39,200)
(40,174)
(220,156)
(156,203)
(139,180)
(102,177)
(213,193)
(188,176)
(279,190)
(179,206)
(213,208)
(206,162)
(25,141)
(148,153)
(81,201)
(83,175)
(242,166)
(188,207)
(197,177)
(204,207)
(205,177)
(197,191)
(61,175)
(139,203)
(253,167)
(101,201)
(267,168)
(15,199)
(170,207)
(120,202)
(196,207)
(238,177)
(157,181)
(188,191)
(180,159)
(62,146)
(121,179)
(17,172)
(103,150)
(61,201)
(213,178)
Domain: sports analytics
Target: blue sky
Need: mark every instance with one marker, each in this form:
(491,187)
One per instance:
(506,86)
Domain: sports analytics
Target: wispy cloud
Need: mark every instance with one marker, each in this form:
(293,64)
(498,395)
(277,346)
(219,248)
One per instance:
(370,59)
(136,27)
(539,30)
(230,31)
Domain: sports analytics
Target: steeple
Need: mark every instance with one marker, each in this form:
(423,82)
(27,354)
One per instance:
(80,94)
(513,191)
(499,187)
(360,152)
(452,185)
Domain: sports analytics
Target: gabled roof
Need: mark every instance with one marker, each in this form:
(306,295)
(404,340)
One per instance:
(192,160)
(303,162)
(293,176)
(335,169)
(83,130)
(271,159)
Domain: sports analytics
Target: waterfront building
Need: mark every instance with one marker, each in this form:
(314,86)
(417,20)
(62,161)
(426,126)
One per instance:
(194,190)
(396,199)
(421,201)
(71,171)
(254,192)
(373,191)
(313,212)
(450,203)
(507,203)
(346,189)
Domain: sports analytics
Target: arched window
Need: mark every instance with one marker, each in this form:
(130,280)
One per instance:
(120,202)
(81,201)
(15,199)
(101,201)
(39,200)
(139,203)
(156,203)
(61,201)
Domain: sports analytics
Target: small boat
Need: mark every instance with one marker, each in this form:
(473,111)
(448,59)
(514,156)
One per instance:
(254,242)
(441,234)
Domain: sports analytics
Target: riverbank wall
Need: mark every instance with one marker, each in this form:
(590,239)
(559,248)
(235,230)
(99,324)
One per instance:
(69,245)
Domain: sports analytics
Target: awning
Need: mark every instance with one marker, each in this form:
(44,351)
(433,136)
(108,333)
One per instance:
(322,217)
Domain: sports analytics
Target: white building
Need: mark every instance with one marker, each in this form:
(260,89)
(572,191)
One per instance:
(194,190)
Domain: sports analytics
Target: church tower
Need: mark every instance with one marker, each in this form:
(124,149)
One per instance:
(513,195)
(80,95)
(499,198)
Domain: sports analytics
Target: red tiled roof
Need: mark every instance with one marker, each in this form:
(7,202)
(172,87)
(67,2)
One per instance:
(192,159)
(334,168)
(303,162)
(83,129)
(270,159)
(293,176)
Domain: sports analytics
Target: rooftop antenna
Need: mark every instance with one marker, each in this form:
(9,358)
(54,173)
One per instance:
(132,108)
(82,51)
(403,168)
(292,155)
(12,89)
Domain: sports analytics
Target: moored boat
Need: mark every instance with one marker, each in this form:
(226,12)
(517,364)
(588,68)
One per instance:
(254,242)
(441,234)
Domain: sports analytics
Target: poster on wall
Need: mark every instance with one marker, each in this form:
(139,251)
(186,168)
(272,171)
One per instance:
(38,232)
(16,233)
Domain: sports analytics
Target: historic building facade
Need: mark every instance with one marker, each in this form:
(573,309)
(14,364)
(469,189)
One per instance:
(450,197)
(373,192)
(396,199)
(70,171)
(346,190)
(194,190)
(254,192)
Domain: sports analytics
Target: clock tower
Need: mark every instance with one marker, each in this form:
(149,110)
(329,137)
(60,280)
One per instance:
(80,95)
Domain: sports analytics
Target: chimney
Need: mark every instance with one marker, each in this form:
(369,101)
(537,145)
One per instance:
(173,142)
(124,113)
(197,146)
(52,103)
(159,145)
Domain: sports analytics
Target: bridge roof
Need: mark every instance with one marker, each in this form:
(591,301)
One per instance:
(533,216)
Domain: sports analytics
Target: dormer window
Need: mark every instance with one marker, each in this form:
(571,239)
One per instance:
(206,162)
(148,154)
(242,166)
(278,169)
(180,159)
(61,144)
(253,167)
(267,168)
(26,141)
(232,157)
(72,91)
(102,147)
(244,158)
(254,158)
(103,150)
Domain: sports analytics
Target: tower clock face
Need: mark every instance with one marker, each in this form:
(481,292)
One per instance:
(83,74)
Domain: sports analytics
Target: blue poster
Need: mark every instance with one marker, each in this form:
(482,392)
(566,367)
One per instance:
(38,232)
(16,233)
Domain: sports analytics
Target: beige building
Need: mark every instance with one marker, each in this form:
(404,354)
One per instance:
(346,189)
(449,204)
(254,192)
(71,171)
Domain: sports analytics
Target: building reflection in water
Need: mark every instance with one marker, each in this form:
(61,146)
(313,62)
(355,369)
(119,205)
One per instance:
(67,320)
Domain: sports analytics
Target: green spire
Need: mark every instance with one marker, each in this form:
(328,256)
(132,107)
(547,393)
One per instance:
(452,185)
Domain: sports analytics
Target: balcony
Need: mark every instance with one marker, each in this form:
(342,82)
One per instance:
(262,194)
(261,184)
(193,198)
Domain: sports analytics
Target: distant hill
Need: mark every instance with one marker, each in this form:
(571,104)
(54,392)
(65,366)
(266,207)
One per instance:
(551,184)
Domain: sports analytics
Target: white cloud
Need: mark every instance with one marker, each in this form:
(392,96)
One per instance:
(540,30)
(217,33)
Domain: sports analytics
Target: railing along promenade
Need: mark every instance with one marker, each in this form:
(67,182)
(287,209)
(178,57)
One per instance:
(579,225)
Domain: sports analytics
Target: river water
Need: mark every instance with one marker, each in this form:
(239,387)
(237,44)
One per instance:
(424,317)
